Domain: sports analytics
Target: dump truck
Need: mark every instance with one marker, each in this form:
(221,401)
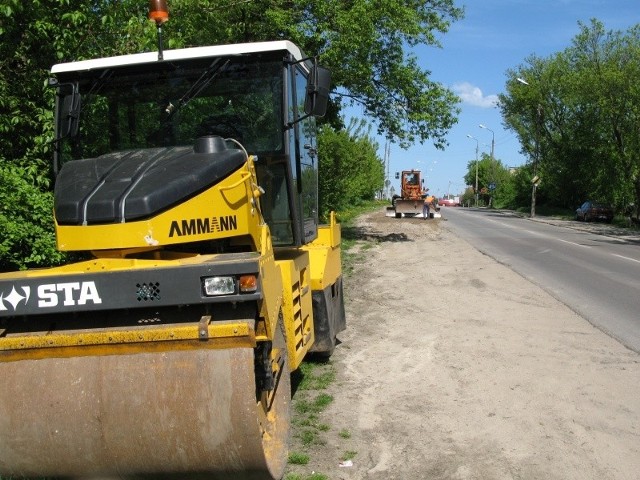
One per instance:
(186,190)
(412,194)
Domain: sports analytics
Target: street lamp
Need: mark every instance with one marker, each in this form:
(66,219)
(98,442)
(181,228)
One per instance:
(493,143)
(535,180)
(476,190)
(493,138)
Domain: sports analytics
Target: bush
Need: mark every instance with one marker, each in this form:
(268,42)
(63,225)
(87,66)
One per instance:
(26,222)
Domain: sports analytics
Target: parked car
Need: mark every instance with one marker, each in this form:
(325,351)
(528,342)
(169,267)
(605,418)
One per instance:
(593,211)
(449,202)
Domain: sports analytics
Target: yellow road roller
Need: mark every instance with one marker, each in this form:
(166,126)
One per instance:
(186,188)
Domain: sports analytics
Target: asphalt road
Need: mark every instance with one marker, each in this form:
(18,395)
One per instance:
(596,275)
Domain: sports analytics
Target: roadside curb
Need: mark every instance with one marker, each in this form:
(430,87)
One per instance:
(604,229)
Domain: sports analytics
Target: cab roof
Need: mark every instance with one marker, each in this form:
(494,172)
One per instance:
(180,54)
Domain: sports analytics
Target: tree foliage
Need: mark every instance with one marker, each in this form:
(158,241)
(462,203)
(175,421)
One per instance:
(27,238)
(494,181)
(364,42)
(349,169)
(578,117)
(34,35)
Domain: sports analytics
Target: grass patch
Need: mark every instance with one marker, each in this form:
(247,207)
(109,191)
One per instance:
(344,433)
(309,401)
(322,401)
(307,421)
(312,407)
(348,455)
(316,376)
(313,476)
(348,215)
(316,476)
(310,436)
(347,219)
(304,407)
(298,458)
(349,260)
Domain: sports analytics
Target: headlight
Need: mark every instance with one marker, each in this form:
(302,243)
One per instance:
(219,286)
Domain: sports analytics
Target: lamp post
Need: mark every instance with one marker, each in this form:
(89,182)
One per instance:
(493,138)
(492,171)
(476,190)
(535,180)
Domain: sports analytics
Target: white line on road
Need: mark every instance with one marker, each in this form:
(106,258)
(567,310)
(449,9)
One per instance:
(625,258)
(573,243)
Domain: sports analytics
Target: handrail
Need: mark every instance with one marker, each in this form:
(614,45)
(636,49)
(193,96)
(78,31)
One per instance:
(243,177)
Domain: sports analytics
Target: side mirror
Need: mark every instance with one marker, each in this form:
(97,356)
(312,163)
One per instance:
(69,108)
(318,85)
(70,118)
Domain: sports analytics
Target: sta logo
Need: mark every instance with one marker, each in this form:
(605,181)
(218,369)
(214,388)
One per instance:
(51,295)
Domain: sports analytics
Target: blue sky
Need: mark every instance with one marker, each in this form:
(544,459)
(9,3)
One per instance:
(494,36)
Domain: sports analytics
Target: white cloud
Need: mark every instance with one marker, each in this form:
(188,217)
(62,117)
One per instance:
(473,95)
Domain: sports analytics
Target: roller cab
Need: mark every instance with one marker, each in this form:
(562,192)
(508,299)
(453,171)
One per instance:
(187,188)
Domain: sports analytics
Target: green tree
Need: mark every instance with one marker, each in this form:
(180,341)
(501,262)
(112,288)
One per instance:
(363,42)
(349,168)
(494,181)
(36,34)
(27,238)
(468,197)
(577,117)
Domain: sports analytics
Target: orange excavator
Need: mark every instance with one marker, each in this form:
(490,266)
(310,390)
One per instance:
(412,196)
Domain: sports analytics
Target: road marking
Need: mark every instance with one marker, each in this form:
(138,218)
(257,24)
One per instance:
(573,243)
(625,258)
(544,235)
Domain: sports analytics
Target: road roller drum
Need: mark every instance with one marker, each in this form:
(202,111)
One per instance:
(180,414)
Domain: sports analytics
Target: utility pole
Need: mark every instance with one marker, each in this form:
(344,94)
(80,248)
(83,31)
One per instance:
(476,189)
(387,180)
(493,160)
(536,179)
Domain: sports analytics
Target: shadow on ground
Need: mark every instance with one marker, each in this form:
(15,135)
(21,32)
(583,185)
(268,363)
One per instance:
(360,233)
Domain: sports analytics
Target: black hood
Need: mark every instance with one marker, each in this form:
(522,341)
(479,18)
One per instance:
(137,184)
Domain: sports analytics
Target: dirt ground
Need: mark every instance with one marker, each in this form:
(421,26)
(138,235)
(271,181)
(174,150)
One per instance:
(455,367)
